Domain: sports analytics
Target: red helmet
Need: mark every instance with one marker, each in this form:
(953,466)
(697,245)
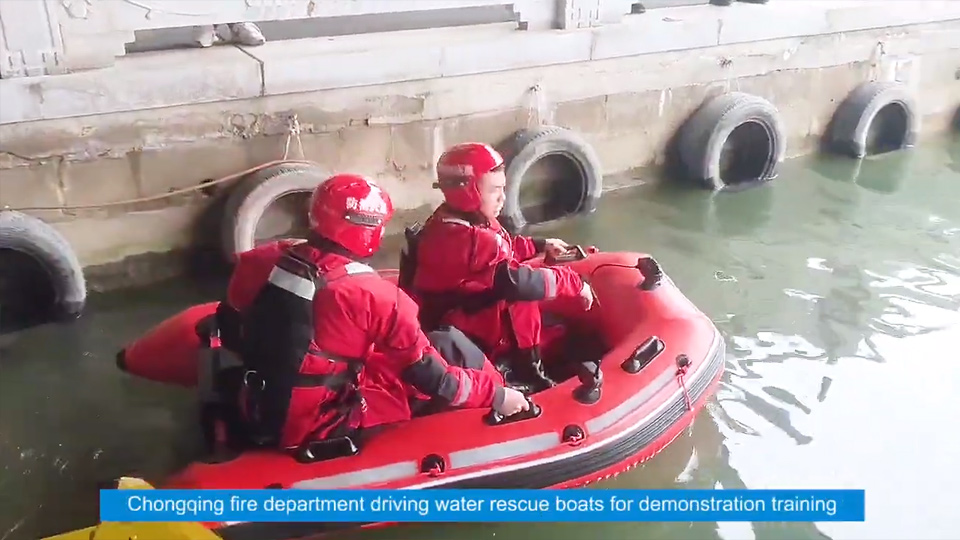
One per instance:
(352,211)
(459,171)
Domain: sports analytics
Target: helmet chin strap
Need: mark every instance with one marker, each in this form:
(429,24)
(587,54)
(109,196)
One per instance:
(474,218)
(326,245)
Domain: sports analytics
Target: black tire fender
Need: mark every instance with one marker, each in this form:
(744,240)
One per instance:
(856,114)
(40,241)
(254,193)
(703,136)
(527,146)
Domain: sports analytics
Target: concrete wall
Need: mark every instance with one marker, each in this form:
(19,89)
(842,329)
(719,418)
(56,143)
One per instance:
(385,105)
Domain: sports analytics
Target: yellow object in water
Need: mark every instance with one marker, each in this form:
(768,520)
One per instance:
(139,530)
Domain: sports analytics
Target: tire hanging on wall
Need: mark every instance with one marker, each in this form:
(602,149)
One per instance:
(528,146)
(732,140)
(254,193)
(44,245)
(886,106)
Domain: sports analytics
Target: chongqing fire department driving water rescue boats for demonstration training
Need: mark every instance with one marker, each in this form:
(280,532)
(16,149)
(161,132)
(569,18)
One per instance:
(635,371)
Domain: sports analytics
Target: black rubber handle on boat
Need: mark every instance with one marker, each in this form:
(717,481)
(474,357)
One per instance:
(497,419)
(652,273)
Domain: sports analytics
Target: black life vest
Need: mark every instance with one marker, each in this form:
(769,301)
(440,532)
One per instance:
(408,258)
(278,337)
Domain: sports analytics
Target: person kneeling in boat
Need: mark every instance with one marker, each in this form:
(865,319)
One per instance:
(315,328)
(465,270)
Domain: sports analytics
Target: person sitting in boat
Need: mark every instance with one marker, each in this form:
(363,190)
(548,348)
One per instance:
(313,326)
(466,271)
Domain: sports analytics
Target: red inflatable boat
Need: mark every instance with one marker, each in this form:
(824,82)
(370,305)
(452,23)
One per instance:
(639,366)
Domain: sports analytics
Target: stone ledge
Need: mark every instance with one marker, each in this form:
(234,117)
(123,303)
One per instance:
(138,82)
(170,78)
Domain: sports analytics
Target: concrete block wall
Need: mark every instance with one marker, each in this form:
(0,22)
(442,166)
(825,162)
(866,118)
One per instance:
(627,106)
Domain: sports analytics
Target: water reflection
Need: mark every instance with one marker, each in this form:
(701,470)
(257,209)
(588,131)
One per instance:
(883,174)
(725,213)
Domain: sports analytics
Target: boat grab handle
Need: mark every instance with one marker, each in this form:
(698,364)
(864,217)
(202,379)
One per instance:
(575,253)
(496,419)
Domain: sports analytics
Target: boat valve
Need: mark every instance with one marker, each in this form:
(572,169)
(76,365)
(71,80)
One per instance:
(573,435)
(652,273)
(643,355)
(591,383)
(433,465)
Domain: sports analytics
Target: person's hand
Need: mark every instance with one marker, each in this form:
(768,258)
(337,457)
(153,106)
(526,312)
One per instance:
(586,296)
(513,402)
(554,247)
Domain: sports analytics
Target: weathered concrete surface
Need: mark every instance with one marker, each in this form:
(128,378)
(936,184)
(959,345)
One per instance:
(627,106)
(157,80)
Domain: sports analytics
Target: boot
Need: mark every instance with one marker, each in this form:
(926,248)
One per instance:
(533,365)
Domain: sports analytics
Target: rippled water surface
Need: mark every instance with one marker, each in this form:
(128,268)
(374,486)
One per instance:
(837,288)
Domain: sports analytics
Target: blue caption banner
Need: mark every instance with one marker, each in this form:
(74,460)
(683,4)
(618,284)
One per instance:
(481,505)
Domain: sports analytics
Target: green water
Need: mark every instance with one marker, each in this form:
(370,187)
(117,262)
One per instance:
(836,288)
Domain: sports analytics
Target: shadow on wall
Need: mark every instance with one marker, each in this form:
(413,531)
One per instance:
(672,166)
(207,261)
